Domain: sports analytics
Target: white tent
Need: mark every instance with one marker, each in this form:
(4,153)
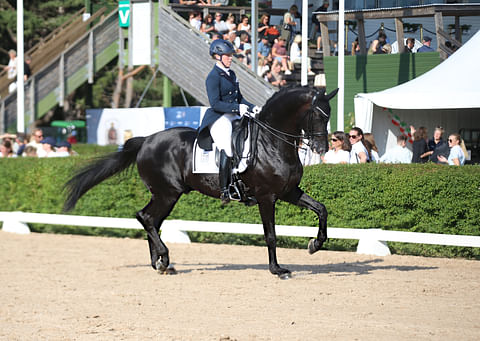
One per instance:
(448,95)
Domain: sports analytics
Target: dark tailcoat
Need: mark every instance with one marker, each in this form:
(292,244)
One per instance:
(225,97)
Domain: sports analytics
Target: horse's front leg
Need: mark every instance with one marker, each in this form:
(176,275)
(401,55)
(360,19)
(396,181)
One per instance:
(299,198)
(267,212)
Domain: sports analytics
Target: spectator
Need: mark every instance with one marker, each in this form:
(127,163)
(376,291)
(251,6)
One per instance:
(244,25)
(64,149)
(456,156)
(6,149)
(399,153)
(289,26)
(220,25)
(340,151)
(267,30)
(316,34)
(30,151)
(377,44)
(387,49)
(263,66)
(27,72)
(264,50)
(410,45)
(231,37)
(207,26)
(427,41)
(355,47)
(48,146)
(230,22)
(20,141)
(245,47)
(216,35)
(36,140)
(296,54)
(279,54)
(72,137)
(274,76)
(419,147)
(371,146)
(11,69)
(437,146)
(196,20)
(359,153)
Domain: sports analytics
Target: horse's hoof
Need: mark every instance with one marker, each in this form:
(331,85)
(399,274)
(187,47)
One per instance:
(165,270)
(170,270)
(313,246)
(285,275)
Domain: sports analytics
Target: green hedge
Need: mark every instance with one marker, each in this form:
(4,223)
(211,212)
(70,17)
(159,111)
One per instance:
(420,198)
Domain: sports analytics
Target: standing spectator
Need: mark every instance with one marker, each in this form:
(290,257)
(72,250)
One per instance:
(340,151)
(48,146)
(6,149)
(377,44)
(27,72)
(207,26)
(371,146)
(410,45)
(359,153)
(36,140)
(279,54)
(427,41)
(437,146)
(289,24)
(12,70)
(316,34)
(244,25)
(399,153)
(457,155)
(419,147)
(296,54)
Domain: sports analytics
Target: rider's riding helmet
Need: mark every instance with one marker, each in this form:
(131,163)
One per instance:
(221,47)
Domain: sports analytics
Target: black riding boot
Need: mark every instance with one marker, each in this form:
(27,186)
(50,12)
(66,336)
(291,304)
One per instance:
(225,173)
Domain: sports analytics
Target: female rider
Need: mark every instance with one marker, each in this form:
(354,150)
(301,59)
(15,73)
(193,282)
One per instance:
(226,105)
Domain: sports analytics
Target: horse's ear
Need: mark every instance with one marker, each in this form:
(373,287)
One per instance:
(331,95)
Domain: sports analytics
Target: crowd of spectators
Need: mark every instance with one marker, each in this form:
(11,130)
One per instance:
(34,145)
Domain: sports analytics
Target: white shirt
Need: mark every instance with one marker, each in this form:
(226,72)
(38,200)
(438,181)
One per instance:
(339,156)
(295,51)
(456,153)
(357,148)
(397,154)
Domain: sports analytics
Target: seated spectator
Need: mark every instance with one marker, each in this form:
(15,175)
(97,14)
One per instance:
(263,65)
(64,149)
(20,140)
(296,54)
(399,153)
(279,54)
(220,25)
(264,50)
(244,25)
(6,149)
(230,22)
(359,153)
(267,30)
(371,146)
(340,150)
(48,145)
(36,140)
(457,155)
(30,151)
(387,49)
(207,26)
(274,76)
(355,47)
(377,44)
(232,37)
(419,147)
(427,41)
(196,20)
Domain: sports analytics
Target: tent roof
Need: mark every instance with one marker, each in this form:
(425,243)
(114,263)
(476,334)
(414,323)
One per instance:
(453,84)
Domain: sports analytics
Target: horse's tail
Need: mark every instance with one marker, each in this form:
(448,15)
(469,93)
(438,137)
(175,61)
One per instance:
(100,170)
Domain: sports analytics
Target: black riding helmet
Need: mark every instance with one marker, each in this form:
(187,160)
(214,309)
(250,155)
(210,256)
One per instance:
(221,47)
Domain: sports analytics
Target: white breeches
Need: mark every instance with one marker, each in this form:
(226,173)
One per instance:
(221,132)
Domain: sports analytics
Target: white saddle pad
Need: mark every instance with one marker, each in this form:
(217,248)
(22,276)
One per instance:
(204,161)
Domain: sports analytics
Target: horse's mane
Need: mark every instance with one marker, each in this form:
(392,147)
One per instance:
(281,100)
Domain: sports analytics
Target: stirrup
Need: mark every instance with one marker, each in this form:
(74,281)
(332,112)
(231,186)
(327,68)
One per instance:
(225,197)
(234,192)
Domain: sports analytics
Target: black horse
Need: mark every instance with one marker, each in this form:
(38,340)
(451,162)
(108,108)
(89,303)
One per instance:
(164,162)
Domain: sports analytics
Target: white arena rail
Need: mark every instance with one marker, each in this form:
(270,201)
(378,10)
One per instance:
(371,241)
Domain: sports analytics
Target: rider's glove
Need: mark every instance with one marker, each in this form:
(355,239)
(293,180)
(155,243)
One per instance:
(256,110)
(243,108)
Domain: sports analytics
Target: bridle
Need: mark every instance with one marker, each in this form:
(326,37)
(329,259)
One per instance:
(308,135)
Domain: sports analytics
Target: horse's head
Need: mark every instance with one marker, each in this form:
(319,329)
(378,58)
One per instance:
(316,119)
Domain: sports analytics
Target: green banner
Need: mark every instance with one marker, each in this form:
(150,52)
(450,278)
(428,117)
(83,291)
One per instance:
(124,13)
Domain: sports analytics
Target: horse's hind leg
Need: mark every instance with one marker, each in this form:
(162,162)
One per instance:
(152,217)
(299,198)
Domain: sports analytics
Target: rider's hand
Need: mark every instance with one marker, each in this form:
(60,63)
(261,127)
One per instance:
(256,110)
(243,108)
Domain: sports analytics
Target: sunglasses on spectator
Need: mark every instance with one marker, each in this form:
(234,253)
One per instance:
(334,140)
(450,140)
(353,136)
(38,135)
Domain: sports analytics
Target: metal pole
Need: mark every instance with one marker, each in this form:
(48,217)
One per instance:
(304,76)
(341,66)
(254,25)
(167,84)
(20,70)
